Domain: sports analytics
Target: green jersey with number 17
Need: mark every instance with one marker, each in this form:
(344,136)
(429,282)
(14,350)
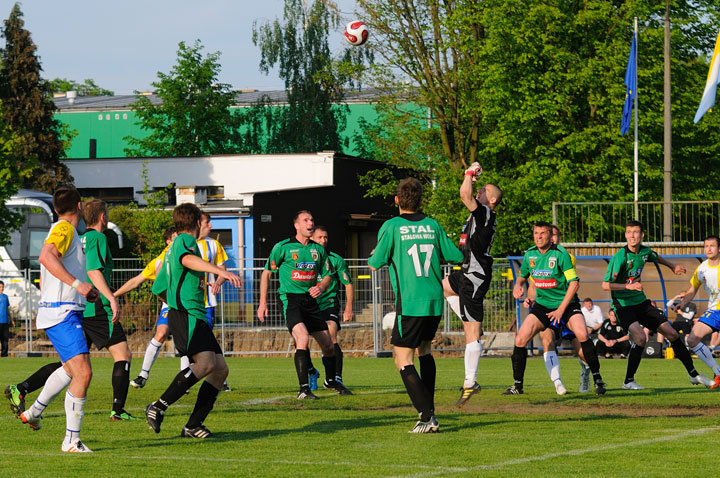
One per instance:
(551,272)
(414,246)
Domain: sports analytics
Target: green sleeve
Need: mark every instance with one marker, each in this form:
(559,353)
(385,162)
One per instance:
(95,246)
(342,270)
(381,255)
(566,264)
(653,256)
(160,284)
(275,258)
(448,250)
(525,267)
(614,266)
(324,260)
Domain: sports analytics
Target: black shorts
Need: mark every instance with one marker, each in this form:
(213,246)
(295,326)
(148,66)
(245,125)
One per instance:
(98,331)
(302,308)
(471,288)
(542,312)
(409,331)
(332,314)
(647,315)
(201,340)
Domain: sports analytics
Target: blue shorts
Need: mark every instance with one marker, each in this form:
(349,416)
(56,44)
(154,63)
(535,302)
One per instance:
(162,319)
(67,337)
(210,315)
(566,334)
(711,318)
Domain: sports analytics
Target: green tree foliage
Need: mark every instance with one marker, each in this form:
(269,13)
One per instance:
(28,107)
(193,116)
(548,99)
(313,116)
(86,88)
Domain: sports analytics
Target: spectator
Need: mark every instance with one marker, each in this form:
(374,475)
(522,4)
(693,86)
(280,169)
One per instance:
(4,319)
(593,316)
(613,338)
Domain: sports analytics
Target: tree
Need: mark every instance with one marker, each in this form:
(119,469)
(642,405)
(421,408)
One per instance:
(193,117)
(86,88)
(28,107)
(313,117)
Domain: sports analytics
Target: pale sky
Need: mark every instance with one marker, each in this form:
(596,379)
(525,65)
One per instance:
(122,45)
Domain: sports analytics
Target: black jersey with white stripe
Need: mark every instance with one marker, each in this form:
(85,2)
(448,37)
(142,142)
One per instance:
(477,238)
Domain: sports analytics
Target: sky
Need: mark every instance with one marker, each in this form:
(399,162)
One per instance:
(122,45)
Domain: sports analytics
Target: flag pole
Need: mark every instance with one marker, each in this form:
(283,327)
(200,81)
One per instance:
(636,126)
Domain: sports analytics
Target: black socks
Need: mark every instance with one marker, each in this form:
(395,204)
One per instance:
(203,405)
(38,379)
(180,384)
(120,384)
(418,392)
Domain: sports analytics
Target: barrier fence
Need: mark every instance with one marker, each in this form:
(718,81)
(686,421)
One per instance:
(236,324)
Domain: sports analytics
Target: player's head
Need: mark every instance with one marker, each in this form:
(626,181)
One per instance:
(542,232)
(205,225)
(304,223)
(634,233)
(66,200)
(409,193)
(712,244)
(320,235)
(169,234)
(555,235)
(489,195)
(186,218)
(95,213)
(588,303)
(2,286)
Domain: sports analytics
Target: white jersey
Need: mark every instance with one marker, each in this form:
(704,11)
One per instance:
(58,299)
(709,278)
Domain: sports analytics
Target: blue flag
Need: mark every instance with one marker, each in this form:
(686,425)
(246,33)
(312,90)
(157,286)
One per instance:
(630,89)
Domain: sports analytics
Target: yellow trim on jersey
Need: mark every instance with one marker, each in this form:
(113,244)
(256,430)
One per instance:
(62,236)
(150,271)
(694,281)
(220,255)
(570,274)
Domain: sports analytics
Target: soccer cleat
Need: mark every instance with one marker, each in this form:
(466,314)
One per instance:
(116,417)
(199,432)
(306,394)
(716,382)
(154,417)
(466,393)
(584,380)
(701,379)
(16,399)
(560,387)
(32,422)
(138,382)
(313,379)
(75,447)
(600,387)
(430,426)
(632,386)
(226,388)
(337,386)
(513,390)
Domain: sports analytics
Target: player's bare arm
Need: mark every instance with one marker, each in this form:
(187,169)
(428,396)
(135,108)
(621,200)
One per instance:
(317,290)
(677,269)
(519,289)
(131,284)
(608,286)
(262,311)
(349,294)
(98,280)
(466,188)
(197,264)
(50,259)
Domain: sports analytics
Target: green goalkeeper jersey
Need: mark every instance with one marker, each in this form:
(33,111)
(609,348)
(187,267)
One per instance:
(299,266)
(414,247)
(551,273)
(625,267)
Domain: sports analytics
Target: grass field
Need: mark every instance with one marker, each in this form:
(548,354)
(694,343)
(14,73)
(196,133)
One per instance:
(262,430)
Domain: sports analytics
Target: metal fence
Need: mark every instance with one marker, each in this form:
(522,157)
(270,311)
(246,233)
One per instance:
(237,326)
(604,222)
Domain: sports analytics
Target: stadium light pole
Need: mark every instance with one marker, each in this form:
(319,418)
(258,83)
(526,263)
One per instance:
(667,176)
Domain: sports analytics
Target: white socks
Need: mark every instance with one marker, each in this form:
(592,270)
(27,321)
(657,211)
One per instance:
(473,351)
(73,416)
(184,362)
(151,353)
(56,383)
(552,365)
(704,354)
(454,303)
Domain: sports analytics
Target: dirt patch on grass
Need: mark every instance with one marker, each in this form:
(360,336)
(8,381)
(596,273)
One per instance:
(561,409)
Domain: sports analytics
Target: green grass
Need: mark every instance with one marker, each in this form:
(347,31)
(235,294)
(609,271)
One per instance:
(262,430)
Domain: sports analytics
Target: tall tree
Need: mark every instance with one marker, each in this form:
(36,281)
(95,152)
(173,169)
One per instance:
(314,115)
(86,88)
(193,116)
(28,107)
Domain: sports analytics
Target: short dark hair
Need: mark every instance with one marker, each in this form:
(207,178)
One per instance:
(2,283)
(587,299)
(297,214)
(186,216)
(634,223)
(544,224)
(204,215)
(713,237)
(93,210)
(169,231)
(553,227)
(409,194)
(65,200)
(321,228)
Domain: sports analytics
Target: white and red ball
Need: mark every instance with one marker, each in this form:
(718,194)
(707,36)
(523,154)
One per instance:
(356,33)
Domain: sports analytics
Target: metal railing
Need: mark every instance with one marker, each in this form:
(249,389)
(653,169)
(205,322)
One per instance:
(236,323)
(604,222)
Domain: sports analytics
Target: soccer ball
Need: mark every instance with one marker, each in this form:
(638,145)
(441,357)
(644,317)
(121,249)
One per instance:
(356,33)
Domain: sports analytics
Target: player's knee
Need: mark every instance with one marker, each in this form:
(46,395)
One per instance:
(671,334)
(692,340)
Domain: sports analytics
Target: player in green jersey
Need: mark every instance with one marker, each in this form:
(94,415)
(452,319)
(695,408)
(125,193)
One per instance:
(556,304)
(181,283)
(414,246)
(634,310)
(299,261)
(330,305)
